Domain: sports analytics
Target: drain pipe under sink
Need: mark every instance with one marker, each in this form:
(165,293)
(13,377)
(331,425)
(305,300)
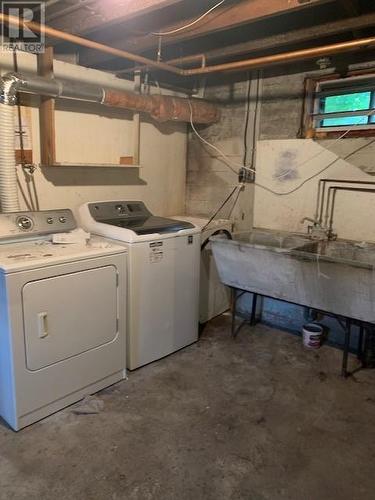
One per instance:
(9,200)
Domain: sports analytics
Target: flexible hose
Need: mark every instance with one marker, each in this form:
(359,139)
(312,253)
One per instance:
(8,175)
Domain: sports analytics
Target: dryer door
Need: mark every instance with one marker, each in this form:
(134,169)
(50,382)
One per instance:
(67,315)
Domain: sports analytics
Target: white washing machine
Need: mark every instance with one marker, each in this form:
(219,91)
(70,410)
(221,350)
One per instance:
(63,318)
(163,276)
(214,297)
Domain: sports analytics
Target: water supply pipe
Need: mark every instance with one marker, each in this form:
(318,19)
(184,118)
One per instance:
(322,192)
(330,213)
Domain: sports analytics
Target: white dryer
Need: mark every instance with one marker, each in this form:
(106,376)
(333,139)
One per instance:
(214,297)
(63,323)
(163,276)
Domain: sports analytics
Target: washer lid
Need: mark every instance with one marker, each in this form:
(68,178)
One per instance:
(150,225)
(134,216)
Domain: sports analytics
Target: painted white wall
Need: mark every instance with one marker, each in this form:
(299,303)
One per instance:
(89,133)
(295,160)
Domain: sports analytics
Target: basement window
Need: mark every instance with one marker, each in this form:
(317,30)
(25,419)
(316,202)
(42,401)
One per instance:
(336,105)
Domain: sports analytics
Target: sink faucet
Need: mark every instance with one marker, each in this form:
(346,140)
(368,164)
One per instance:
(316,230)
(310,219)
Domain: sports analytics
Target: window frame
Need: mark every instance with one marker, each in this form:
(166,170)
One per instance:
(312,103)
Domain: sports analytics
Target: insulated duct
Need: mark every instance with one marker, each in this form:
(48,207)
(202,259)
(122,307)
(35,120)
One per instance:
(8,175)
(161,108)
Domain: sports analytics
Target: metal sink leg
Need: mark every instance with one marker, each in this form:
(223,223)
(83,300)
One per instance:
(252,320)
(348,325)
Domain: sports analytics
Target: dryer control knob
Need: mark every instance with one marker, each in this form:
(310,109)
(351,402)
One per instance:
(25,223)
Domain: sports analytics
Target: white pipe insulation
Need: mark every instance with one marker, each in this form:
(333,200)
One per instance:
(8,175)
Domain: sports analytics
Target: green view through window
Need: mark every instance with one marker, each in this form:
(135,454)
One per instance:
(348,102)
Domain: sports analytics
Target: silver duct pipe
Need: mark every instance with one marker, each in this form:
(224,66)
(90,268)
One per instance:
(12,83)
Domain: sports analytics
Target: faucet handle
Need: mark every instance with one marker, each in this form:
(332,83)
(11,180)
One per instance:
(309,219)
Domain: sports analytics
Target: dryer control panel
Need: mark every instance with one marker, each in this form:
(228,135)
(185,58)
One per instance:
(29,224)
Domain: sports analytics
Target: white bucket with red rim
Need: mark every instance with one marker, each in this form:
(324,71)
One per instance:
(312,335)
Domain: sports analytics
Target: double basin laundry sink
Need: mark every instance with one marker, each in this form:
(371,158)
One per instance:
(332,276)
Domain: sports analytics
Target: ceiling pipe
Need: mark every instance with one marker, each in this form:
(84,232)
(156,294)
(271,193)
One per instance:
(90,44)
(264,61)
(162,108)
(179,61)
(252,63)
(284,57)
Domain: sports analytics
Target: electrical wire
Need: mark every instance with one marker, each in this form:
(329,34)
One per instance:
(239,187)
(189,25)
(230,164)
(242,186)
(255,131)
(255,121)
(247,115)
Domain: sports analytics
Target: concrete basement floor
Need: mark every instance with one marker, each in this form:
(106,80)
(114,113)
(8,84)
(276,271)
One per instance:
(256,418)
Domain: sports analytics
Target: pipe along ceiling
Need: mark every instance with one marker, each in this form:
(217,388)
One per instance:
(252,63)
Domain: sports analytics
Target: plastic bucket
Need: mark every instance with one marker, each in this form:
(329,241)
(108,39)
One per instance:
(312,335)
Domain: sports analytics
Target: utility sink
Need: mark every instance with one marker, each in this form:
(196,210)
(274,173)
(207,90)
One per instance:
(332,276)
(272,239)
(346,252)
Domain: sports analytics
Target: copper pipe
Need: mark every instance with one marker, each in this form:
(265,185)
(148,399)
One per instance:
(262,61)
(179,61)
(90,44)
(286,57)
(256,62)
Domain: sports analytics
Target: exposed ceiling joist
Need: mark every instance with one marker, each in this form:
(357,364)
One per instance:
(285,57)
(108,12)
(226,17)
(350,7)
(296,36)
(276,41)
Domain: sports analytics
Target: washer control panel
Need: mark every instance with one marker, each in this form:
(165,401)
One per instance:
(23,224)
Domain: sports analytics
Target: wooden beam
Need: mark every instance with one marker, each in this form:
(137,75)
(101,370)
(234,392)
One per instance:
(108,13)
(350,7)
(226,17)
(275,41)
(47,112)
